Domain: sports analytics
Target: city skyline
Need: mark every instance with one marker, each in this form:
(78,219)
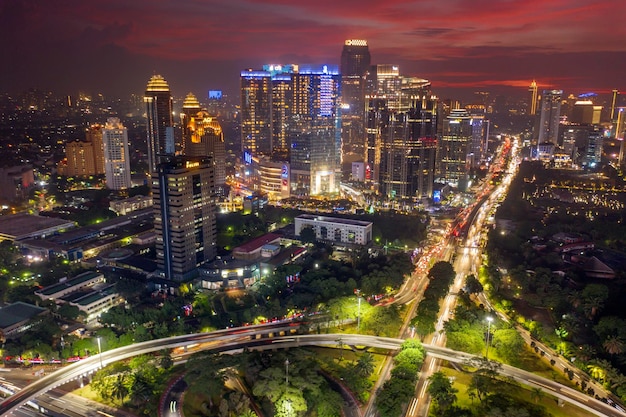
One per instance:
(113,46)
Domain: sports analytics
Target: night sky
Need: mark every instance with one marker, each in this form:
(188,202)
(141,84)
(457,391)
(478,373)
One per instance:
(115,46)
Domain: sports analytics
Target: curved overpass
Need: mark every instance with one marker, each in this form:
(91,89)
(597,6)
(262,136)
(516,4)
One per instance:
(269,337)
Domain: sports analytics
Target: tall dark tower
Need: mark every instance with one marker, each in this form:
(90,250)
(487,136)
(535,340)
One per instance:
(158,99)
(183,190)
(355,62)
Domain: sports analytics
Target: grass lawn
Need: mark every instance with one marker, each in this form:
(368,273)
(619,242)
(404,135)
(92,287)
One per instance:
(462,381)
(90,394)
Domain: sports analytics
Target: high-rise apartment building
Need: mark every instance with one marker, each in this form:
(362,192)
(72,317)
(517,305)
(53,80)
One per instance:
(549,117)
(85,158)
(256,112)
(185,216)
(159,113)
(355,63)
(93,135)
(454,148)
(116,155)
(191,107)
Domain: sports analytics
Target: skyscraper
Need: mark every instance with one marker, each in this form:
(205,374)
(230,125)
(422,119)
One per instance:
(453,150)
(532,108)
(206,139)
(355,63)
(316,126)
(191,107)
(402,140)
(256,112)
(159,110)
(184,217)
(116,155)
(549,118)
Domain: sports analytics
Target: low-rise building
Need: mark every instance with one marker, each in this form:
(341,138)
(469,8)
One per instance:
(252,250)
(18,317)
(21,226)
(336,229)
(67,286)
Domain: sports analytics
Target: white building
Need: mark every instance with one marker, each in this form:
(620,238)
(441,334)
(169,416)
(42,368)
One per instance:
(336,229)
(116,155)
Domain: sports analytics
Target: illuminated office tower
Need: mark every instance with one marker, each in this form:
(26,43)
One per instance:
(206,139)
(256,112)
(585,112)
(454,147)
(550,116)
(116,155)
(480,133)
(355,63)
(191,107)
(315,131)
(282,107)
(402,141)
(184,216)
(388,84)
(160,125)
(593,150)
(532,108)
(615,95)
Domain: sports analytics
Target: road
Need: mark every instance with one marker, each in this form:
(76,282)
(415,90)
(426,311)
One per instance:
(466,261)
(234,340)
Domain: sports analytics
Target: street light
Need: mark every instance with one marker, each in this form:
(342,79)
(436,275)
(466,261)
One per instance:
(489,320)
(99,352)
(358,315)
(286,374)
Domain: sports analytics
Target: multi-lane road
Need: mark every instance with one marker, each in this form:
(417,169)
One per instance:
(280,337)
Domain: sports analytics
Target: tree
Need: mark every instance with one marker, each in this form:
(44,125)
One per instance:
(508,343)
(307,235)
(365,365)
(442,391)
(473,285)
(613,345)
(594,296)
(536,394)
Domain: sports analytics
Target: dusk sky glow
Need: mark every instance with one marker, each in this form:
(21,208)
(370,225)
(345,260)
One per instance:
(115,46)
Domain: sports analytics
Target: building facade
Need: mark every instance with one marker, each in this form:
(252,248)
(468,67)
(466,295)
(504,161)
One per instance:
(355,63)
(256,112)
(116,155)
(160,125)
(454,148)
(549,117)
(335,229)
(183,192)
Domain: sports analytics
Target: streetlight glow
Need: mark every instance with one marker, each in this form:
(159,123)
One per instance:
(489,320)
(99,352)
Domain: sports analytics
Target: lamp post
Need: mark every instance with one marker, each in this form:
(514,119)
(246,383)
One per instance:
(489,320)
(99,352)
(286,374)
(358,314)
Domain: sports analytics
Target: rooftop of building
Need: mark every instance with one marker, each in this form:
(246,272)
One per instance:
(95,296)
(257,243)
(22,224)
(340,220)
(77,280)
(17,312)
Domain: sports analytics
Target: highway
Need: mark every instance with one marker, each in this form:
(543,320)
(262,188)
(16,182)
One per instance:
(234,340)
(466,261)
